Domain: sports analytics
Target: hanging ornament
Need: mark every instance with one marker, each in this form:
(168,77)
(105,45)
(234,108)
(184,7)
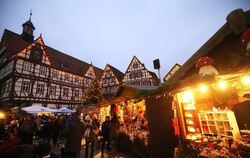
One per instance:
(245,39)
(205,67)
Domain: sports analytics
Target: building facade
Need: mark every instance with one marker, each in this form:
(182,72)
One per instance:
(137,74)
(31,72)
(111,80)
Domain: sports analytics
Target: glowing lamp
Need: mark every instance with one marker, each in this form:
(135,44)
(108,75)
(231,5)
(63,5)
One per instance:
(190,122)
(2,115)
(245,80)
(188,137)
(194,137)
(203,88)
(188,97)
(191,129)
(222,84)
(189,115)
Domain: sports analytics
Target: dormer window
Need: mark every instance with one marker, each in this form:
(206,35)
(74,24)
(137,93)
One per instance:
(135,66)
(36,56)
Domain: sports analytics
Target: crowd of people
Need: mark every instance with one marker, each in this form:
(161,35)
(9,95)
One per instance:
(33,136)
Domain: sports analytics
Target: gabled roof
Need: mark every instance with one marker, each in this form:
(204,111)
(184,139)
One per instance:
(14,44)
(150,72)
(154,76)
(119,75)
(227,34)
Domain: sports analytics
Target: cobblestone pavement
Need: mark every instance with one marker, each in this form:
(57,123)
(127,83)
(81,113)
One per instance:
(113,154)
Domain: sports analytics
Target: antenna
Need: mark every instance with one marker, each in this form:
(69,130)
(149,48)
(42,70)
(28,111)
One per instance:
(30,14)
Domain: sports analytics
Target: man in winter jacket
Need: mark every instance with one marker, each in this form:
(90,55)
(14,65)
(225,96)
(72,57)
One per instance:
(106,134)
(73,132)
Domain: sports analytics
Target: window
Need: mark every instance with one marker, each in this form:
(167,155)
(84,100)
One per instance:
(25,86)
(54,74)
(66,77)
(65,92)
(36,56)
(53,90)
(135,65)
(76,80)
(3,88)
(76,93)
(107,75)
(40,88)
(8,86)
(26,66)
(42,70)
(131,75)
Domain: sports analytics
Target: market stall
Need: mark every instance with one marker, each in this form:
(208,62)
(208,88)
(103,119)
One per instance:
(204,110)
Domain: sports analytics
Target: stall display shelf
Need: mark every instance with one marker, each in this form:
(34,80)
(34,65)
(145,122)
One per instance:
(219,122)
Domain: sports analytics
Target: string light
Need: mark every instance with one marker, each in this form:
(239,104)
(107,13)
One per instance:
(203,88)
(245,80)
(223,84)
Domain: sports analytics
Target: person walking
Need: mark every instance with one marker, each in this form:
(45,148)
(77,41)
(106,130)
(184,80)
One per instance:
(73,133)
(90,135)
(106,134)
(27,130)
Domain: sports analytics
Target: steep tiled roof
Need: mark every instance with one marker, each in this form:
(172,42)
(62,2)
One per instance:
(98,73)
(14,43)
(119,75)
(154,76)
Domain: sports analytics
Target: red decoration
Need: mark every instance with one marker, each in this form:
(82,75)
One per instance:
(204,61)
(176,126)
(245,37)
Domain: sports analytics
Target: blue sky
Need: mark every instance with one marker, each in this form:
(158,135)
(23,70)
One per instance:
(112,31)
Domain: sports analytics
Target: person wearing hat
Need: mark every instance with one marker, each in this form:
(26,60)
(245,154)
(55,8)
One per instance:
(73,132)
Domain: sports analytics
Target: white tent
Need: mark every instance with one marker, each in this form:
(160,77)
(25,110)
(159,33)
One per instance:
(37,108)
(65,110)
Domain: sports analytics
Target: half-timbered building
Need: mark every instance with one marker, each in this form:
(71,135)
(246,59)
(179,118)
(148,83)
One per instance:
(137,74)
(32,72)
(111,80)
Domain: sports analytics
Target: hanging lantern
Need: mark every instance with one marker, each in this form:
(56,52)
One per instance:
(205,66)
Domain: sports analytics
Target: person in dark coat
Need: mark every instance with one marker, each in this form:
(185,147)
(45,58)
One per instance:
(73,132)
(114,127)
(106,134)
(27,130)
(27,151)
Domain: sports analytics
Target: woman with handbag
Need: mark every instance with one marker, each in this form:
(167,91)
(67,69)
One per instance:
(91,132)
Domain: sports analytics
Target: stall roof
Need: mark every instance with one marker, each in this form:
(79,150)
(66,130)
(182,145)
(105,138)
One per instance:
(225,41)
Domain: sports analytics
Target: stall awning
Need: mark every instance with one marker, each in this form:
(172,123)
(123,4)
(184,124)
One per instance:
(36,108)
(111,101)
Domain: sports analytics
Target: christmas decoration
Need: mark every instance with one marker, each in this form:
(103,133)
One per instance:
(94,93)
(206,68)
(245,37)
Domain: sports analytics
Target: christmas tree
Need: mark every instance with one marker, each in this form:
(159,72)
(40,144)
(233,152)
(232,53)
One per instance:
(94,93)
